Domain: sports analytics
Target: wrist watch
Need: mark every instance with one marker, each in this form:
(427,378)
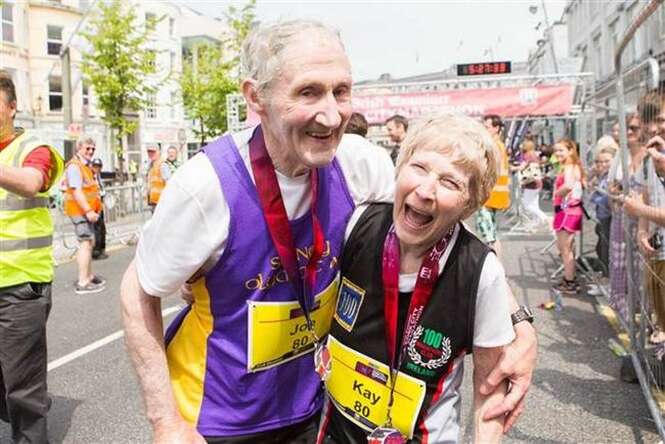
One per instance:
(522,314)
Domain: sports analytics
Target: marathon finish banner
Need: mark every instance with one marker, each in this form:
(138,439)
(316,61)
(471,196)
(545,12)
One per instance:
(506,102)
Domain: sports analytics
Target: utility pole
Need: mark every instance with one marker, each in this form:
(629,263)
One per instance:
(66,67)
(550,37)
(66,63)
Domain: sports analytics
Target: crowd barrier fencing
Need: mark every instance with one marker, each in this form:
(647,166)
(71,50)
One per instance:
(630,268)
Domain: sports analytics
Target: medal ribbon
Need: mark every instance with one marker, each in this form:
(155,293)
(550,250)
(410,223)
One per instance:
(276,218)
(427,277)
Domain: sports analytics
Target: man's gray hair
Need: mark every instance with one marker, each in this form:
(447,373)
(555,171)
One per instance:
(261,50)
(85,138)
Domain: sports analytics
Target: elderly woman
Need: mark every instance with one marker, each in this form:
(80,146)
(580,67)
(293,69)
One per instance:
(418,293)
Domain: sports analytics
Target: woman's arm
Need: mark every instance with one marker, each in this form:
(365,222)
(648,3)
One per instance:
(484,430)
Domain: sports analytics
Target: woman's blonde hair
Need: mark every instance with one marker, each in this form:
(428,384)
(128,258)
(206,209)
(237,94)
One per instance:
(469,145)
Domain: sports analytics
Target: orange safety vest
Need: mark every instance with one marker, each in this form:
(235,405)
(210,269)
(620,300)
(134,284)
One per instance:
(89,187)
(156,182)
(500,195)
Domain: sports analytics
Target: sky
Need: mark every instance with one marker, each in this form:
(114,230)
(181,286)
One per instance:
(406,38)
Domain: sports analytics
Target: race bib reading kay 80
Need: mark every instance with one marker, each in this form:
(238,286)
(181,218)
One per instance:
(277,331)
(359,387)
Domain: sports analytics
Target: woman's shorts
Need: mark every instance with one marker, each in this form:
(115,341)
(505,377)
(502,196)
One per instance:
(563,220)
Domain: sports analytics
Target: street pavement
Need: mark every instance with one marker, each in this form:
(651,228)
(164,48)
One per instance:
(576,394)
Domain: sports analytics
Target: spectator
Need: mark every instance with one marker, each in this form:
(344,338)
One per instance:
(171,161)
(83,205)
(499,200)
(615,132)
(623,226)
(649,207)
(28,169)
(531,183)
(99,250)
(598,184)
(396,126)
(357,125)
(568,210)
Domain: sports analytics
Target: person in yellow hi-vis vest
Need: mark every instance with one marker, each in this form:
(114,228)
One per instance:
(499,199)
(28,168)
(83,205)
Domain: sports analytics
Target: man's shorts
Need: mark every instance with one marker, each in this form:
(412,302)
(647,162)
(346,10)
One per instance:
(83,228)
(486,224)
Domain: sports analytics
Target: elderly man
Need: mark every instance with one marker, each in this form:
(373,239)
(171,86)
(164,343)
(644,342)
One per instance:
(83,205)
(245,220)
(28,168)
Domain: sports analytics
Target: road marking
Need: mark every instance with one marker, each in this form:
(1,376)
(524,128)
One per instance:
(100,343)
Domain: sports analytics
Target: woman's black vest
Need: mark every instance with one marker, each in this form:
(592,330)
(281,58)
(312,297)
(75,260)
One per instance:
(448,317)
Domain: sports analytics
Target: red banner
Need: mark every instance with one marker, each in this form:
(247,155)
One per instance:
(506,102)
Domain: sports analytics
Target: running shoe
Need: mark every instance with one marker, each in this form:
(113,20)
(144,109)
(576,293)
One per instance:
(566,286)
(89,288)
(98,280)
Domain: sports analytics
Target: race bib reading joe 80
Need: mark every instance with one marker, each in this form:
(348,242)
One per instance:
(359,387)
(277,331)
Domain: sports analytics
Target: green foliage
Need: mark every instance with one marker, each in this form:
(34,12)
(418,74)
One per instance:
(205,84)
(212,72)
(118,64)
(239,22)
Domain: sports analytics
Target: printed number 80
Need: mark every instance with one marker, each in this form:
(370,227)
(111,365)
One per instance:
(300,343)
(362,409)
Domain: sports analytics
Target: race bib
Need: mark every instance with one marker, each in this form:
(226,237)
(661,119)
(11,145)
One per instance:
(359,387)
(277,331)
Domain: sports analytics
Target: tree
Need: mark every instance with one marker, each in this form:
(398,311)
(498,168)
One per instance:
(206,81)
(118,65)
(212,72)
(239,22)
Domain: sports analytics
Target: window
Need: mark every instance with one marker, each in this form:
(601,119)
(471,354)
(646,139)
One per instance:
(597,56)
(192,149)
(172,66)
(7,22)
(85,93)
(171,26)
(151,107)
(613,30)
(55,93)
(152,59)
(53,39)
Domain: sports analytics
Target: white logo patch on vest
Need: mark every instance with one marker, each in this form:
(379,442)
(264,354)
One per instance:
(348,304)
(430,352)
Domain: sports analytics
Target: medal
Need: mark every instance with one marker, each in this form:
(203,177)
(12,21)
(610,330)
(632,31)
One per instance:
(322,360)
(385,435)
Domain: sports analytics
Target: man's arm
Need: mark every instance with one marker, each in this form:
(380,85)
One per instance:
(24,181)
(515,365)
(486,430)
(141,315)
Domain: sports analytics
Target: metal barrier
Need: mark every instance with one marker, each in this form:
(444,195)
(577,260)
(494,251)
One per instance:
(640,308)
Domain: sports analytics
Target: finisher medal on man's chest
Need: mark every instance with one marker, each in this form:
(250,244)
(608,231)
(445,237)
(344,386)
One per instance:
(385,435)
(322,361)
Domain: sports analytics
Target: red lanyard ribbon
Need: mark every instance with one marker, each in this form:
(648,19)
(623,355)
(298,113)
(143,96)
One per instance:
(427,277)
(277,220)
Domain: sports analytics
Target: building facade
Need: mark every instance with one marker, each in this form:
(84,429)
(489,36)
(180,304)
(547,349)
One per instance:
(35,31)
(595,31)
